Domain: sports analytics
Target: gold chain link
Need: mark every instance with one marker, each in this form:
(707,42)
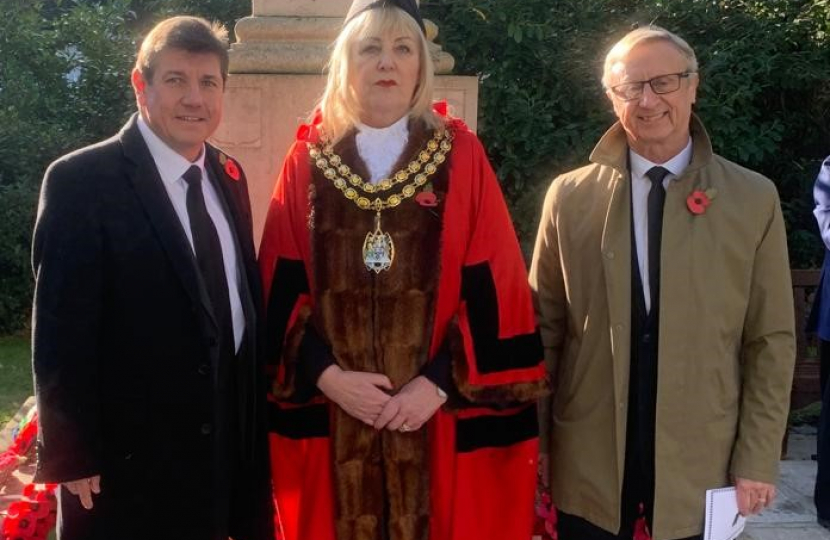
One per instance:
(351,184)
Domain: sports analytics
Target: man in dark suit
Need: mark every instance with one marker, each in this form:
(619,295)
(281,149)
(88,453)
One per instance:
(146,307)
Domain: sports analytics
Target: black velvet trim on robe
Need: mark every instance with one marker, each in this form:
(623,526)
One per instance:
(496,431)
(299,422)
(478,288)
(287,284)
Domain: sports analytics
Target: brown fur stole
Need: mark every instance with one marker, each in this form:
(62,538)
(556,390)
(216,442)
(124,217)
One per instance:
(377,323)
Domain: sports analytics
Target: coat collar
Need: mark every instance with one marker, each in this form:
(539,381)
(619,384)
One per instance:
(612,148)
(145,179)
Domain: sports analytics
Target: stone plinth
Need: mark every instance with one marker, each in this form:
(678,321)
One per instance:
(300,44)
(301,8)
(262,113)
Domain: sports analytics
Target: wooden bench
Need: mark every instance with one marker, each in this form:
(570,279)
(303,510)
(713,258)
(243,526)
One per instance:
(805,388)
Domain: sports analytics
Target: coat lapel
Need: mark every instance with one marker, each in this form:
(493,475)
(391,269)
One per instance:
(229,197)
(229,193)
(686,241)
(148,185)
(612,152)
(234,203)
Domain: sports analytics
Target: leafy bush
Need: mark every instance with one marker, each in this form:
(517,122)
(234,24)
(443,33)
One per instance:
(764,95)
(537,63)
(17,206)
(63,85)
(150,12)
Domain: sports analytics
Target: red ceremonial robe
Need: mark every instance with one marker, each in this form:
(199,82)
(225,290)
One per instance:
(458,285)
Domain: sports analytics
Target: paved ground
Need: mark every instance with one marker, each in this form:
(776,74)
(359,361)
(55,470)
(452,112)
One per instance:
(793,517)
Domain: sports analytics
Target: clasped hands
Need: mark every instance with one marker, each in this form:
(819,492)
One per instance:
(366,397)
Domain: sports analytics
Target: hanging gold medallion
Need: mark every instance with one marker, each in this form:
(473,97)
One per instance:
(378,249)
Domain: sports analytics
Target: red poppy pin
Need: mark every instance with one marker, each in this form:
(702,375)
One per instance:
(232,169)
(427,197)
(699,200)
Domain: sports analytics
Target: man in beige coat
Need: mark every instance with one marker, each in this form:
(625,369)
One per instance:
(664,297)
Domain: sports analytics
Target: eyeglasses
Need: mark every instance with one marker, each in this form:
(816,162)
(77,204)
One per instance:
(664,84)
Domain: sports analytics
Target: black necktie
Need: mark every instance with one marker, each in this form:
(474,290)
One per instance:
(209,256)
(656,198)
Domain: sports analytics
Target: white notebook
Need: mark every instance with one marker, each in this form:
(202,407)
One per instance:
(723,521)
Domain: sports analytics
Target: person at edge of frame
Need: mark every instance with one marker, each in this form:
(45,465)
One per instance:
(819,323)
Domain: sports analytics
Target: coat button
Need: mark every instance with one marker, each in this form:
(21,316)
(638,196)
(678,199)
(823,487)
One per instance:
(646,338)
(204,369)
(609,254)
(212,341)
(206,429)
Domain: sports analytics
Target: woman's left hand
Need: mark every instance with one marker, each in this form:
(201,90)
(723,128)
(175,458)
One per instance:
(411,407)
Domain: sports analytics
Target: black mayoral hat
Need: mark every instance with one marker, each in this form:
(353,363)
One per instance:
(409,6)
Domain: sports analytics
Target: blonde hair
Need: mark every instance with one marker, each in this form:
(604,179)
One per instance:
(642,35)
(339,106)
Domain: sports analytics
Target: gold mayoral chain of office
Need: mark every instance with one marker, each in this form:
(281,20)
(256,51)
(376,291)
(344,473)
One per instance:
(378,247)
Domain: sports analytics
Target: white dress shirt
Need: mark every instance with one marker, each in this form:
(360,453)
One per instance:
(171,166)
(380,148)
(640,186)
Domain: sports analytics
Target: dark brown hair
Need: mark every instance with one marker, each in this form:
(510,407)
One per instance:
(191,34)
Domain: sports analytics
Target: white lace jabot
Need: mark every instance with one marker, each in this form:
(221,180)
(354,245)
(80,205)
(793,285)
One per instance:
(380,148)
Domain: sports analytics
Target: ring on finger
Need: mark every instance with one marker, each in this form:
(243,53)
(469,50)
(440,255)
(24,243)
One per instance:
(404,427)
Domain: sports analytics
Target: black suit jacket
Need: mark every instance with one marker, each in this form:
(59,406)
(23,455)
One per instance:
(129,381)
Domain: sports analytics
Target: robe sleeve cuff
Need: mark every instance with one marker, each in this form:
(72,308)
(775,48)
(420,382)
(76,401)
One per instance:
(315,354)
(439,370)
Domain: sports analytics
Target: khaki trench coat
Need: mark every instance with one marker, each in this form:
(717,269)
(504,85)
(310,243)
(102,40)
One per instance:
(726,339)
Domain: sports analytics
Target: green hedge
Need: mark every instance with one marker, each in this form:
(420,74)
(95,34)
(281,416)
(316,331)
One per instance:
(17,206)
(764,95)
(62,85)
(765,92)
